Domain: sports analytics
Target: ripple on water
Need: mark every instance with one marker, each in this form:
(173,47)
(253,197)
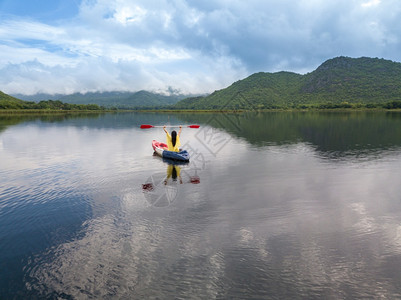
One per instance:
(294,221)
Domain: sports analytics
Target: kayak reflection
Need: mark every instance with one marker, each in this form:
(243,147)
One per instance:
(162,188)
(174,171)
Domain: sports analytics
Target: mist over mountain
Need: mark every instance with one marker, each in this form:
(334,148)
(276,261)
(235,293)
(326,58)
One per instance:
(122,100)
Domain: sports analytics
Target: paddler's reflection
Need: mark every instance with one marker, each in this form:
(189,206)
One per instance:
(173,172)
(153,190)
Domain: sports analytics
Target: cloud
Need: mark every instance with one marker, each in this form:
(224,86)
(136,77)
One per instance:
(371,3)
(190,45)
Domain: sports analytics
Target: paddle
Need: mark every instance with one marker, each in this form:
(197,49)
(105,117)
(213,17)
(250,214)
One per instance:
(145,126)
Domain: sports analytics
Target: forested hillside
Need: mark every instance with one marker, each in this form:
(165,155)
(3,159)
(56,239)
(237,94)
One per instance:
(339,82)
(11,103)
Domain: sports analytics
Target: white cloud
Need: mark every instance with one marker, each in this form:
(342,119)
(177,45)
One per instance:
(17,54)
(371,3)
(125,15)
(22,29)
(190,45)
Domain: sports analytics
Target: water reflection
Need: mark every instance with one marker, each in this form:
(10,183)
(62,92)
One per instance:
(7,120)
(274,216)
(321,233)
(91,120)
(161,189)
(333,134)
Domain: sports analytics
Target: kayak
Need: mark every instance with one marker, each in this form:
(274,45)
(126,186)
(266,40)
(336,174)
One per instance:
(159,149)
(175,162)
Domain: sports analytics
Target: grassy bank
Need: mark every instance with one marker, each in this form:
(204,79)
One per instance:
(49,111)
(364,109)
(178,111)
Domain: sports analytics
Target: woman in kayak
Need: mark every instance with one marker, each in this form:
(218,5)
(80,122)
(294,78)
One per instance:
(173,140)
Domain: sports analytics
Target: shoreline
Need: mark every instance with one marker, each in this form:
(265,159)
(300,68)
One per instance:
(47,111)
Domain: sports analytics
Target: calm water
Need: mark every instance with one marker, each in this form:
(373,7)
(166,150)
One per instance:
(271,206)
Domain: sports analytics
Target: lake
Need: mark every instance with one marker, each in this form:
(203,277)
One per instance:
(278,205)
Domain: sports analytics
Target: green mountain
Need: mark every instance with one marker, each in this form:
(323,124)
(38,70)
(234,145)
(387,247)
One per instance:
(9,102)
(339,81)
(121,100)
(5,97)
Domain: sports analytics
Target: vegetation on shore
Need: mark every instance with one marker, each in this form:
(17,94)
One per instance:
(10,103)
(392,105)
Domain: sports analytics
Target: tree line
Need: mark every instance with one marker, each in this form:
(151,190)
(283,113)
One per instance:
(47,105)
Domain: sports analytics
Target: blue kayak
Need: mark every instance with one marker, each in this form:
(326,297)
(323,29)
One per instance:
(160,149)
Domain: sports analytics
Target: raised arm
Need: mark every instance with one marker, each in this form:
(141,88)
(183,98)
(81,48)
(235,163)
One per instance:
(164,128)
(179,132)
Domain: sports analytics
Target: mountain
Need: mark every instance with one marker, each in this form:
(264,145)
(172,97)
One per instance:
(9,102)
(37,97)
(355,80)
(339,81)
(255,90)
(123,99)
(111,99)
(5,97)
(12,103)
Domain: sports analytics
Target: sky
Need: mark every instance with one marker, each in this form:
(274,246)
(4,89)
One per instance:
(182,46)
